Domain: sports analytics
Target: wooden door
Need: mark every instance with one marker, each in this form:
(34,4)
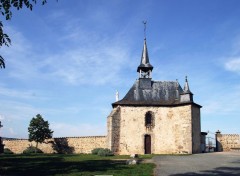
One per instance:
(147,144)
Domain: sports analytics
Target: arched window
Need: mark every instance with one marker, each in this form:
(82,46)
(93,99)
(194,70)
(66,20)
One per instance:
(149,119)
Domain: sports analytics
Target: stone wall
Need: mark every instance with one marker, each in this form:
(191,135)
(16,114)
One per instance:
(227,142)
(113,126)
(171,132)
(59,145)
(196,130)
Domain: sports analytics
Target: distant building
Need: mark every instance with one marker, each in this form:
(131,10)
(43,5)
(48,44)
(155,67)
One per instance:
(154,117)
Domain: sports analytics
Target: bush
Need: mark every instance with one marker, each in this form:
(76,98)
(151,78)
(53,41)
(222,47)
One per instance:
(96,150)
(105,152)
(32,149)
(7,151)
(102,152)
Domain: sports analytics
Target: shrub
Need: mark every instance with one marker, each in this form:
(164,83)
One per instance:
(105,152)
(96,150)
(32,149)
(7,151)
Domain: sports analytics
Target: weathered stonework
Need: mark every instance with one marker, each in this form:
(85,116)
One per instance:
(60,145)
(227,142)
(196,130)
(171,133)
(113,126)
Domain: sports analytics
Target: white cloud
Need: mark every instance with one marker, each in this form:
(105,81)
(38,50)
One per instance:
(94,61)
(24,94)
(83,66)
(72,130)
(1,117)
(56,15)
(233,65)
(21,60)
(212,107)
(222,102)
(14,110)
(12,132)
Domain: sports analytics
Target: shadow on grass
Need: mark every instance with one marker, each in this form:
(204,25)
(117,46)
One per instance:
(238,161)
(57,165)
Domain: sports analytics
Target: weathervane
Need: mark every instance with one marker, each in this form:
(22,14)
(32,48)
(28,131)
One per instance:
(145,26)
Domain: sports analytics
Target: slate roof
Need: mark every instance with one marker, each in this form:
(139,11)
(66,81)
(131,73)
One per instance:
(160,93)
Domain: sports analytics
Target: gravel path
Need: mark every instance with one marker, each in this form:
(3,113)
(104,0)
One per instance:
(219,163)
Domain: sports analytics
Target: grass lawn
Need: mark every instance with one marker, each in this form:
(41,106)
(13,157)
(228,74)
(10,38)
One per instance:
(59,164)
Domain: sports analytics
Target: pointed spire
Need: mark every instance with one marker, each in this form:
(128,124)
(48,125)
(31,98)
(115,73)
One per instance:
(145,58)
(186,86)
(145,64)
(186,95)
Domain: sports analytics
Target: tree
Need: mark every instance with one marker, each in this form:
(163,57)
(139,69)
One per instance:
(6,7)
(39,130)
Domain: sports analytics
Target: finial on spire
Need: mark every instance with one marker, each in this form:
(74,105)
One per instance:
(186,86)
(145,26)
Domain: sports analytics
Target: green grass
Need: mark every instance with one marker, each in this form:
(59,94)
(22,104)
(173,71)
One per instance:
(82,164)
(149,156)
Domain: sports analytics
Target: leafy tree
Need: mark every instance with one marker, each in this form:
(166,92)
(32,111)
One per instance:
(39,130)
(6,7)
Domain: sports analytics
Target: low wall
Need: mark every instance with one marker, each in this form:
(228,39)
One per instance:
(227,142)
(59,145)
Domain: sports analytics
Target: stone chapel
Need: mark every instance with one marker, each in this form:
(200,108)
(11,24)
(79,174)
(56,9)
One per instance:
(154,117)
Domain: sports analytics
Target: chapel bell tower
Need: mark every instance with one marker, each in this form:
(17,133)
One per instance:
(145,68)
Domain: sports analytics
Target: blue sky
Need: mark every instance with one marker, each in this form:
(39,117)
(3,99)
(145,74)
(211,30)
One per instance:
(68,58)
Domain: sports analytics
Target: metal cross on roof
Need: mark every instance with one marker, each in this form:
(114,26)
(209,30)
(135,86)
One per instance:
(145,26)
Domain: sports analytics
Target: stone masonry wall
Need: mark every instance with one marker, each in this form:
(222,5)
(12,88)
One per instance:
(196,130)
(171,133)
(59,145)
(227,142)
(113,126)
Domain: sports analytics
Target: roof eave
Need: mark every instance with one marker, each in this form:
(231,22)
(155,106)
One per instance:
(155,105)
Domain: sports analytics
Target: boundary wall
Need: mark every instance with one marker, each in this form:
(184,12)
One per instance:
(227,142)
(59,145)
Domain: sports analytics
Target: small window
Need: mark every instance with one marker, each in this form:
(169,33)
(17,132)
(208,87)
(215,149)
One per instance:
(149,119)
